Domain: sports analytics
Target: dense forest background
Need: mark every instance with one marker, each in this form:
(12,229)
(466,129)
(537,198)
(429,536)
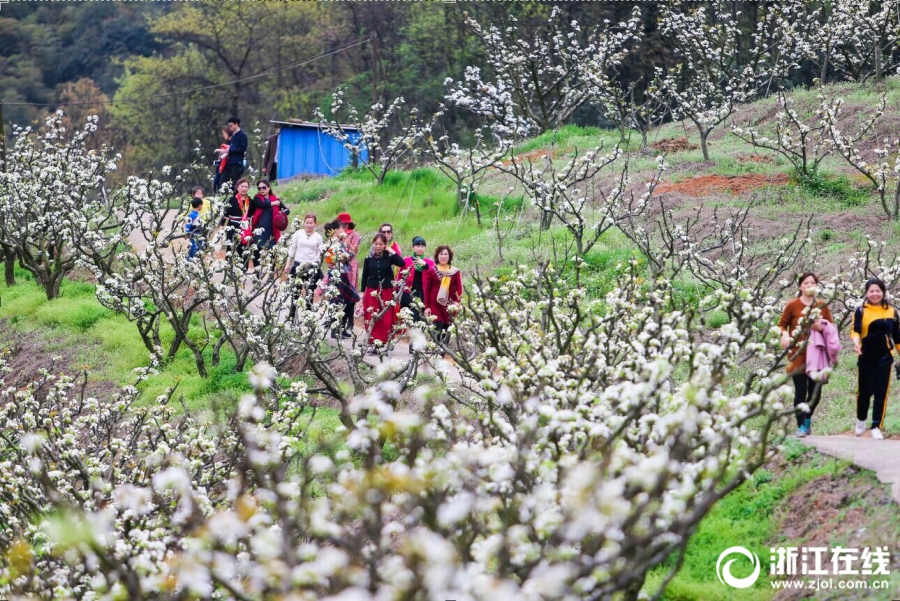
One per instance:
(141,56)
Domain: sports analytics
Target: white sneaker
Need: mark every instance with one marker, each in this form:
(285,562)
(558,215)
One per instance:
(876,434)
(860,428)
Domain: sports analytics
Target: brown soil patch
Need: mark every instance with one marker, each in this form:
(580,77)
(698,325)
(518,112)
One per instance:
(528,156)
(848,508)
(536,155)
(30,354)
(707,185)
(673,145)
(755,158)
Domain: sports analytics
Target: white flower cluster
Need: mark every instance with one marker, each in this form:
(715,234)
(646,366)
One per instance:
(540,83)
(54,207)
(589,440)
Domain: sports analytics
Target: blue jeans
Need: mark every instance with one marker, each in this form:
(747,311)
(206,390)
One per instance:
(196,245)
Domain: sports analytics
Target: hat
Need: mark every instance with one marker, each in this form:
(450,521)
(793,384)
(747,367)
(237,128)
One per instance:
(419,240)
(344,218)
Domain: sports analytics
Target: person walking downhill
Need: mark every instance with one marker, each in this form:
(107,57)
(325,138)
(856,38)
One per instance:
(412,275)
(352,240)
(264,209)
(875,334)
(235,218)
(337,262)
(197,192)
(304,258)
(378,278)
(443,289)
(195,230)
(797,320)
(388,230)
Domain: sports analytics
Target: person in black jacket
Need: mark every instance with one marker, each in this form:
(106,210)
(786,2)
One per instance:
(377,280)
(236,216)
(262,220)
(237,149)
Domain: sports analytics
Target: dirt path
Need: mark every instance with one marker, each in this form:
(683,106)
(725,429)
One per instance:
(879,456)
(400,351)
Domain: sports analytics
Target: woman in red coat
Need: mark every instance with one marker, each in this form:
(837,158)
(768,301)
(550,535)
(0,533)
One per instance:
(378,281)
(443,289)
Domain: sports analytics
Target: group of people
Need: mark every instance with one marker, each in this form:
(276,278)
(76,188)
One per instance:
(811,340)
(429,288)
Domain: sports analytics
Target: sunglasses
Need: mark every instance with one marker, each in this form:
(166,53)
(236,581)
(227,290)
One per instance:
(262,187)
(387,231)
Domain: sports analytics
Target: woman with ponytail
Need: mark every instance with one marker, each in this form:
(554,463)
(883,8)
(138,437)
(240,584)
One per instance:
(801,315)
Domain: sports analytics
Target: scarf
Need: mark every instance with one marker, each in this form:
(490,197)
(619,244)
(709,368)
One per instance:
(443,295)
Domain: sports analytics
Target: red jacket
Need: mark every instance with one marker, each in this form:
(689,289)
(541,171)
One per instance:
(431,285)
(408,273)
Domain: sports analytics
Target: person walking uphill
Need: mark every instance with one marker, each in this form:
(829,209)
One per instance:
(875,334)
(797,320)
(378,278)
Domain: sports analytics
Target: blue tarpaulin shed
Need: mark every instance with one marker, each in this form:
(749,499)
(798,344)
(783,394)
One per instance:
(304,149)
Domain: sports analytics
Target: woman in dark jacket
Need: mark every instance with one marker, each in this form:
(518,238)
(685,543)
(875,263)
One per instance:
(236,215)
(378,278)
(262,220)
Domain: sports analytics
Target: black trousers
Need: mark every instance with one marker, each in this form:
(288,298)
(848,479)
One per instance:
(874,381)
(442,335)
(303,283)
(413,302)
(808,391)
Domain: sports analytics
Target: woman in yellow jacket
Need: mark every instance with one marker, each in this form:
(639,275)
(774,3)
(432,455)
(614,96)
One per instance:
(875,335)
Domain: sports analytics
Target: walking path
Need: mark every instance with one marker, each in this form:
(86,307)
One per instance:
(880,456)
(400,352)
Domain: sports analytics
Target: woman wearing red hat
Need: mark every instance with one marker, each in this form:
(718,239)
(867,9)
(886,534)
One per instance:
(352,242)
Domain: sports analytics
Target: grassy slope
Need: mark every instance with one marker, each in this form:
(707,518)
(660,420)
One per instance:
(422,203)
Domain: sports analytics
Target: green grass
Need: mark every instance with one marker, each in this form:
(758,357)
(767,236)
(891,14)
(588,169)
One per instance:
(745,518)
(110,347)
(415,203)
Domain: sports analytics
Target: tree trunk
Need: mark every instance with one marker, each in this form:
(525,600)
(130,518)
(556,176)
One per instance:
(546,220)
(9,265)
(878,74)
(217,348)
(703,136)
(144,330)
(173,348)
(240,360)
(51,286)
(198,358)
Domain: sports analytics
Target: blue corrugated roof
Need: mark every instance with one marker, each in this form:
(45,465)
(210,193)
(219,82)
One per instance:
(303,149)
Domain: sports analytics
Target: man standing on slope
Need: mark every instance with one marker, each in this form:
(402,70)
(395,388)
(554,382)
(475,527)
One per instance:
(237,148)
